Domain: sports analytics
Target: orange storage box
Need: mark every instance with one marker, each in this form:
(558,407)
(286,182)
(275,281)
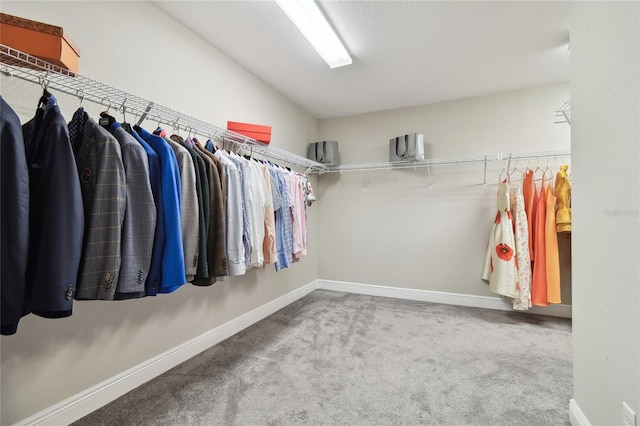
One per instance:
(254,131)
(44,41)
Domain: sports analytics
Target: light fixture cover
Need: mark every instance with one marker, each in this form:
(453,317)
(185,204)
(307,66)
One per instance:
(306,15)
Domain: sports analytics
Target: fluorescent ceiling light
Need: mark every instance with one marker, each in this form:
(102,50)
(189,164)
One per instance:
(313,25)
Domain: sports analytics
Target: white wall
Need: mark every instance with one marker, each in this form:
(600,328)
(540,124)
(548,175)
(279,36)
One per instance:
(135,47)
(605,109)
(396,231)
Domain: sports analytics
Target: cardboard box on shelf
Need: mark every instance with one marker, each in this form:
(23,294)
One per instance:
(47,42)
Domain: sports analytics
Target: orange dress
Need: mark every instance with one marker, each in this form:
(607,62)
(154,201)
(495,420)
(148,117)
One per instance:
(552,256)
(528,191)
(539,276)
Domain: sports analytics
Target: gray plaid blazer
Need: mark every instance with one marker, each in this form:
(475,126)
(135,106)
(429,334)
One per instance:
(104,196)
(139,226)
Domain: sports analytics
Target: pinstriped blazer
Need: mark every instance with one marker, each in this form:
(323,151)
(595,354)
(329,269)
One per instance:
(190,221)
(104,196)
(139,220)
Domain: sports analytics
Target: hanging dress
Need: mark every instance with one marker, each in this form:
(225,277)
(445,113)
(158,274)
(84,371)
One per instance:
(563,194)
(539,278)
(552,256)
(500,268)
(528,192)
(522,301)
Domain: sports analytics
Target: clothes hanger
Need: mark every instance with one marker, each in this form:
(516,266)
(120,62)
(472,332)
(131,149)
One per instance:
(248,156)
(538,169)
(44,99)
(126,126)
(189,140)
(80,94)
(506,175)
(106,119)
(514,170)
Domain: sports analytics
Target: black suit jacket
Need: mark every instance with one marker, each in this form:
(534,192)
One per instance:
(14,219)
(56,217)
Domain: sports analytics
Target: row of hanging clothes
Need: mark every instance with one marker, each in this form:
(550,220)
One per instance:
(102,210)
(522,260)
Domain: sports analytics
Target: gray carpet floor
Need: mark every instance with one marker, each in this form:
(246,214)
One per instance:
(343,359)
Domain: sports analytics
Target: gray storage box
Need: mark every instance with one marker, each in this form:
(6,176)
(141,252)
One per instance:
(325,152)
(407,148)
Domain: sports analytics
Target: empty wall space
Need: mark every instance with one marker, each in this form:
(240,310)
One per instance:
(605,109)
(391,228)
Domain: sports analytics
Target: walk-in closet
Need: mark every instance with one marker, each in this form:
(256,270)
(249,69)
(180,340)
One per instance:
(256,278)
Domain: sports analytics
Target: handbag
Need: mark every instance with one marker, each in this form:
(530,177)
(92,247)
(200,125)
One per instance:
(325,152)
(407,148)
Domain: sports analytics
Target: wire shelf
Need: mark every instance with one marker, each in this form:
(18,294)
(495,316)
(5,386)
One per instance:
(27,67)
(447,161)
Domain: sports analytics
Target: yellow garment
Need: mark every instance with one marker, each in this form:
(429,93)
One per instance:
(552,257)
(563,194)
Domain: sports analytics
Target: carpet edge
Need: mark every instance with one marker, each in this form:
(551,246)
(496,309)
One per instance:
(487,302)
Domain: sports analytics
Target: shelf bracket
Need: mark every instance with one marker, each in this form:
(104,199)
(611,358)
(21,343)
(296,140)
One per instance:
(364,180)
(145,113)
(484,181)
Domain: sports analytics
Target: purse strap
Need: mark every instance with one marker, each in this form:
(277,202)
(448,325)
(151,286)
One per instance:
(406,146)
(321,159)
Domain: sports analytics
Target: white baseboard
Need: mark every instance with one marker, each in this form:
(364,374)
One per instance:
(487,302)
(576,416)
(83,403)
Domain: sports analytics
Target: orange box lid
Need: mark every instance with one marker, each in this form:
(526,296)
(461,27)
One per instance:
(256,128)
(48,42)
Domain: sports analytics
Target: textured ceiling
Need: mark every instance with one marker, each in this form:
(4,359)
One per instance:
(405,53)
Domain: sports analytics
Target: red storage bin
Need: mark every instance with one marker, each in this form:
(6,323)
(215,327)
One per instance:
(254,131)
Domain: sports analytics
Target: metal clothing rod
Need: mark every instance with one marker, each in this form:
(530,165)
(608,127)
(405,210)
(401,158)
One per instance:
(449,161)
(24,66)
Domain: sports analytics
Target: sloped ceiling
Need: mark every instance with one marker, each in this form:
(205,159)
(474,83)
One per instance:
(405,53)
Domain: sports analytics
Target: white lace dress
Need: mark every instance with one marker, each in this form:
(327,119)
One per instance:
(522,301)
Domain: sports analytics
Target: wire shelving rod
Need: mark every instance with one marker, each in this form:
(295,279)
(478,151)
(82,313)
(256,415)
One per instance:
(27,67)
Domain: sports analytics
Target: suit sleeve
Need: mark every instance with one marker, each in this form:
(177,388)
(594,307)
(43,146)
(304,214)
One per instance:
(14,220)
(139,222)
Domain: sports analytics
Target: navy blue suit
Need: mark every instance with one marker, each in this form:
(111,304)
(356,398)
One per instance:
(14,226)
(56,215)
